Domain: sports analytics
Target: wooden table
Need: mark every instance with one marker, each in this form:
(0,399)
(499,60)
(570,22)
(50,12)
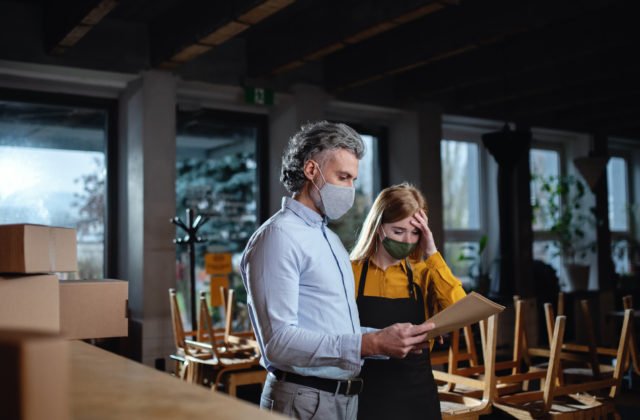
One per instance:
(107,386)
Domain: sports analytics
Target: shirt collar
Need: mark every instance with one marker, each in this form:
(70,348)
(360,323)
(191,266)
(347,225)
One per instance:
(309,216)
(402,265)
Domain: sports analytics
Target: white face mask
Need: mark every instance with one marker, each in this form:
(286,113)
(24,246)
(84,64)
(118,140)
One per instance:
(335,200)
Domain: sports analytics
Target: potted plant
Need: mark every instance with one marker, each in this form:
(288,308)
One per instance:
(472,253)
(559,207)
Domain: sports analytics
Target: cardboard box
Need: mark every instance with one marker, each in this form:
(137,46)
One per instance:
(30,303)
(34,383)
(93,308)
(30,249)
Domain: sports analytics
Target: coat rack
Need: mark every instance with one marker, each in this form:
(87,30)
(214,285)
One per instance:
(191,238)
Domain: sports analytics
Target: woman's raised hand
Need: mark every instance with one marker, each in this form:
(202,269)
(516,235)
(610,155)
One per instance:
(428,245)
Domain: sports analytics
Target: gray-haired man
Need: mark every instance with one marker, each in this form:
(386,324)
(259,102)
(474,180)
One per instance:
(301,288)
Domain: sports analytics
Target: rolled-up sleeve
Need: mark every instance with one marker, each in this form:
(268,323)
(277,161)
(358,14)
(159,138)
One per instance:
(272,268)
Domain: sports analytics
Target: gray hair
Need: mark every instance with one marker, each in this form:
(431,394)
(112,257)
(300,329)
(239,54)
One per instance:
(311,140)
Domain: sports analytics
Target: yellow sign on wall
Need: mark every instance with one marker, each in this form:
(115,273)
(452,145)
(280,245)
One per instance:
(218,263)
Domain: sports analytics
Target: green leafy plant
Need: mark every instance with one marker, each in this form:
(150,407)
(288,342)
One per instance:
(477,270)
(626,245)
(472,253)
(558,206)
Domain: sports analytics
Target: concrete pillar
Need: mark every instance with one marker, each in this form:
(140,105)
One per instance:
(414,157)
(147,149)
(308,104)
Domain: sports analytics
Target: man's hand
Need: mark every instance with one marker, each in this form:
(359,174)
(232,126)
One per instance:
(397,340)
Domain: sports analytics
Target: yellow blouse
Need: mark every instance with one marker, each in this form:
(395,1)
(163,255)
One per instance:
(430,273)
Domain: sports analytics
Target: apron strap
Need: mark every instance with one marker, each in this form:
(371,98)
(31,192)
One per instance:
(411,284)
(363,277)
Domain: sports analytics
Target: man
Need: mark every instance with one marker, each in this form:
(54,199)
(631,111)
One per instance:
(300,285)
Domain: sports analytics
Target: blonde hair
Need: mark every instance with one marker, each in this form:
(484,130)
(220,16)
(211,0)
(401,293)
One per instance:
(392,204)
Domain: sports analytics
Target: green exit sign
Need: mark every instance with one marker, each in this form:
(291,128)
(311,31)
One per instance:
(258,96)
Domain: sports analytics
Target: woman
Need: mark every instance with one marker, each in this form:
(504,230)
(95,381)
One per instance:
(400,277)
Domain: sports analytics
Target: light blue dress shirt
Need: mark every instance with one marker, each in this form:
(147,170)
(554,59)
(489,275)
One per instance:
(301,295)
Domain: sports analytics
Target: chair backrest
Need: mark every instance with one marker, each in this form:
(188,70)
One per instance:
(623,351)
(488,382)
(627,303)
(489,357)
(554,361)
(206,333)
(228,322)
(614,382)
(179,333)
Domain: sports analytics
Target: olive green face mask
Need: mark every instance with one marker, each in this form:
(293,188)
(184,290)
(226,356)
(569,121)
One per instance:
(398,250)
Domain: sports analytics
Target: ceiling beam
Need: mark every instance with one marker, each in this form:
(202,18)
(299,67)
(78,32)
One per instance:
(453,32)
(559,53)
(67,22)
(328,27)
(191,30)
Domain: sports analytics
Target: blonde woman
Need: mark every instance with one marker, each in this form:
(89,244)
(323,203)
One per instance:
(400,277)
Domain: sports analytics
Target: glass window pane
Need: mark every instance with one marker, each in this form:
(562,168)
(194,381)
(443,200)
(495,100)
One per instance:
(52,171)
(618,202)
(367,188)
(217,176)
(460,184)
(544,164)
(463,262)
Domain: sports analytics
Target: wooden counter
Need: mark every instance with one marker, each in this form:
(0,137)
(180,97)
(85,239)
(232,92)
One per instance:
(107,386)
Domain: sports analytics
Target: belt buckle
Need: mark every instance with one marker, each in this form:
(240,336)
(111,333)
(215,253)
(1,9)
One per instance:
(350,382)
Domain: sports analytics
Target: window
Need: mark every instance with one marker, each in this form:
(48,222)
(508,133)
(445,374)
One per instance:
(618,194)
(218,176)
(368,186)
(461,186)
(53,171)
(619,212)
(544,164)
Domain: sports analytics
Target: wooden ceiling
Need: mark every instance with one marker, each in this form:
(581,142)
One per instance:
(567,64)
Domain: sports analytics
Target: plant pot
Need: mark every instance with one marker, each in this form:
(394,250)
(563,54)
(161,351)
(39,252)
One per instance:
(577,276)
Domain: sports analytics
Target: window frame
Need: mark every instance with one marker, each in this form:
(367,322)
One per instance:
(110,107)
(473,135)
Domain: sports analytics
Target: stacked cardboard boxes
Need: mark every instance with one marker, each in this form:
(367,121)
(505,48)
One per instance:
(36,384)
(37,313)
(31,298)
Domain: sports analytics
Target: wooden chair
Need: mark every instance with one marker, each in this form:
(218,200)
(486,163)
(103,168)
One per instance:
(453,355)
(454,405)
(209,359)
(231,357)
(627,303)
(179,337)
(514,366)
(574,400)
(592,353)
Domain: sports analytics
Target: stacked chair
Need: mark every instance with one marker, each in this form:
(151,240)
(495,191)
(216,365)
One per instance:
(519,388)
(219,358)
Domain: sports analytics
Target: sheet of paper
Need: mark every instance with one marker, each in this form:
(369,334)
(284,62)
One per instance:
(468,310)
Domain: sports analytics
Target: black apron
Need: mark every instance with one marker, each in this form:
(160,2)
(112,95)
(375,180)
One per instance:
(396,389)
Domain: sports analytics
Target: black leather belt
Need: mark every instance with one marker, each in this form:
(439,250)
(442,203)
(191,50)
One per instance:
(346,387)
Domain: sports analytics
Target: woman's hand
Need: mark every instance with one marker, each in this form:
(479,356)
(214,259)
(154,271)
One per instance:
(428,245)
